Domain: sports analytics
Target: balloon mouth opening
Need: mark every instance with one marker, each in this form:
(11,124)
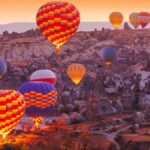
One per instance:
(116,26)
(4,136)
(36,121)
(108,63)
(76,81)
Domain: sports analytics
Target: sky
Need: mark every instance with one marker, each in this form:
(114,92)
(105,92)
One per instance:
(90,10)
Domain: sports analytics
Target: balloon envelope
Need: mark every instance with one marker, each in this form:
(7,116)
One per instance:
(134,19)
(58,22)
(12,108)
(44,75)
(108,55)
(144,19)
(116,18)
(39,97)
(76,72)
(3,67)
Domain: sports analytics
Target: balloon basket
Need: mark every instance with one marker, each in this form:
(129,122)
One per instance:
(4,138)
(108,63)
(36,122)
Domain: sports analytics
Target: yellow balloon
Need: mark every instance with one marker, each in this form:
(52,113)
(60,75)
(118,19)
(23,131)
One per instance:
(116,18)
(76,72)
(134,19)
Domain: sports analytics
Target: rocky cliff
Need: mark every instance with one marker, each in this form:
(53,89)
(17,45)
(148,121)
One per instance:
(110,97)
(30,50)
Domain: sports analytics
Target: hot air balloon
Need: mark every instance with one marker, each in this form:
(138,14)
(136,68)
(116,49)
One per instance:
(134,19)
(44,76)
(116,18)
(3,67)
(58,22)
(108,55)
(39,97)
(76,72)
(144,19)
(12,108)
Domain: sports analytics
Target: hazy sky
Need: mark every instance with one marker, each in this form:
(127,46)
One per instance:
(91,10)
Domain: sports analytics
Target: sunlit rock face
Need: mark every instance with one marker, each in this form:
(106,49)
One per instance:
(29,51)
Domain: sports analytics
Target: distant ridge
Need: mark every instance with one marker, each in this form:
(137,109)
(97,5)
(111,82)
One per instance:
(17,27)
(24,26)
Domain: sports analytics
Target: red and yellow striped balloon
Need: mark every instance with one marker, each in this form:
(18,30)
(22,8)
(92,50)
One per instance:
(116,18)
(12,108)
(58,22)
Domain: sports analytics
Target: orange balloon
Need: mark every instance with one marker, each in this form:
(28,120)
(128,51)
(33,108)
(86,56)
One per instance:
(76,72)
(58,22)
(134,19)
(116,18)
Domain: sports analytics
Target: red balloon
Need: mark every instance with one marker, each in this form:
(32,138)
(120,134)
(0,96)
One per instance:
(144,19)
(44,75)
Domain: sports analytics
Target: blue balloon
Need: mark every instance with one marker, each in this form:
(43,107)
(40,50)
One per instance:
(3,67)
(108,55)
(39,97)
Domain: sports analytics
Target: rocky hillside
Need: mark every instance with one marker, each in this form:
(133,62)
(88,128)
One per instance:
(112,102)
(29,51)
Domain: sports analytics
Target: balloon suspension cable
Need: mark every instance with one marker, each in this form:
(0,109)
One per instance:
(76,82)
(58,49)
(37,121)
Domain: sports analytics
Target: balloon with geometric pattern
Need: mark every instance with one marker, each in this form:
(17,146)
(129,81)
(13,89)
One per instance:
(58,22)
(39,98)
(76,72)
(116,18)
(12,107)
